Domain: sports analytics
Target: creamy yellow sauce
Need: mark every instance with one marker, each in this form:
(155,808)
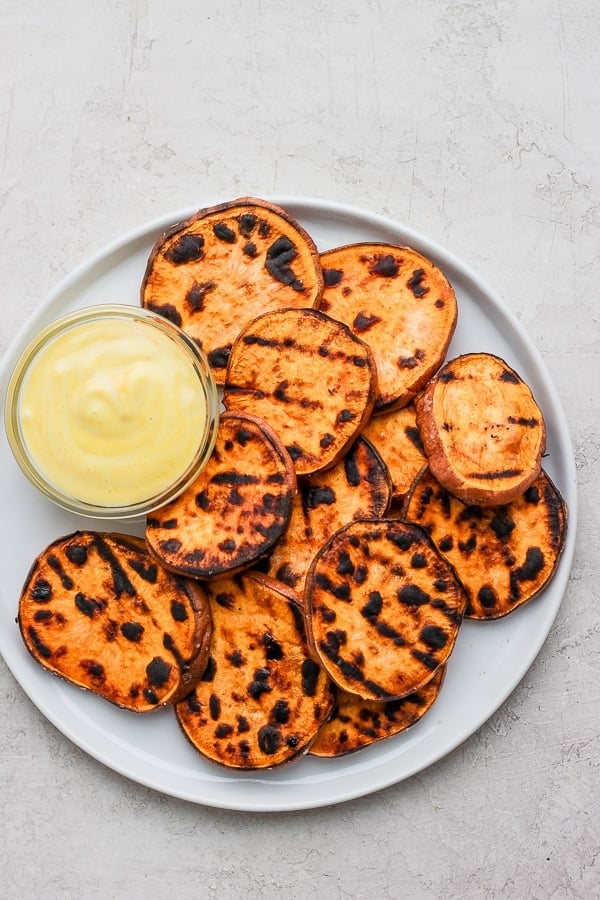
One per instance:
(112,412)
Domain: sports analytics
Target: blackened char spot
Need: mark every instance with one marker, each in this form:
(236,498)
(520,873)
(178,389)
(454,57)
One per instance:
(214,706)
(509,377)
(414,437)
(269,739)
(502,524)
(250,249)
(224,233)
(386,266)
(39,645)
(418,561)
(373,606)
(43,615)
(234,478)
(121,583)
(427,659)
(132,631)
(332,277)
(94,669)
(492,476)
(524,422)
(259,685)
(223,730)
(411,362)
(65,579)
(533,565)
(227,546)
(196,295)
(310,674)
(188,248)
(281,712)
(167,311)
(487,596)
(363,323)
(345,565)
(218,357)
(246,224)
(326,441)
(87,605)
(412,595)
(158,671)
(340,591)
(179,612)
(277,262)
(415,283)
(273,649)
(146,570)
(41,591)
(434,636)
(316,495)
(532,495)
(352,469)
(77,554)
(202,500)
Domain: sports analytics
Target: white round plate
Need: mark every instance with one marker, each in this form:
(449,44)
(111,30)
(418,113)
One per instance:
(489,659)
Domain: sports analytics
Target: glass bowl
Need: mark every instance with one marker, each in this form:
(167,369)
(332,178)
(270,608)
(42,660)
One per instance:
(111,411)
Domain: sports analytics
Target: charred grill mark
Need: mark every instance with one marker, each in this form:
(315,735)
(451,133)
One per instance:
(41,648)
(202,500)
(363,323)
(386,267)
(121,583)
(386,631)
(414,437)
(250,249)
(246,224)
(281,712)
(186,249)
(223,730)
(218,357)
(259,685)
(452,615)
(179,611)
(41,591)
(411,362)
(77,554)
(487,596)
(195,297)
(273,649)
(56,565)
(158,671)
(502,525)
(498,474)
(310,676)
(429,661)
(214,707)
(332,277)
(146,570)
(339,591)
(167,311)
(524,422)
(415,283)
(372,608)
(434,636)
(555,517)
(132,631)
(269,739)
(223,232)
(88,606)
(43,615)
(277,263)
(234,478)
(313,496)
(413,595)
(94,669)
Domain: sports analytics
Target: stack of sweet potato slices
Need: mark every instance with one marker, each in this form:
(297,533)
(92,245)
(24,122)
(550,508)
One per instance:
(365,496)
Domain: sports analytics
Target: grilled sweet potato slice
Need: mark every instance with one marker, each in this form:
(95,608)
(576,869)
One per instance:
(234,511)
(383,608)
(482,430)
(309,377)
(98,611)
(263,697)
(356,487)
(397,301)
(356,723)
(396,437)
(227,264)
(503,555)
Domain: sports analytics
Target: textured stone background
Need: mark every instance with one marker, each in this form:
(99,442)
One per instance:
(475,123)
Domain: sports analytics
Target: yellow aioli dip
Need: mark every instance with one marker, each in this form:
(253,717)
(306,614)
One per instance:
(112,412)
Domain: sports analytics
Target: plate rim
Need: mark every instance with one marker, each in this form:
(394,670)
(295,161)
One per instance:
(300,205)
